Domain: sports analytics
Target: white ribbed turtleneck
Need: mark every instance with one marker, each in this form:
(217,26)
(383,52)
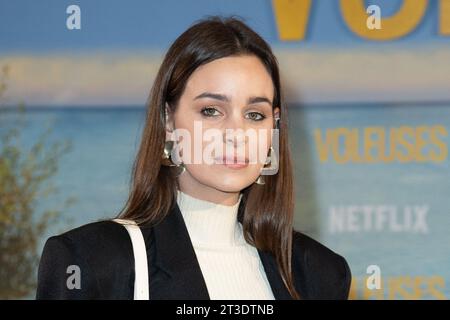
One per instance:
(230,266)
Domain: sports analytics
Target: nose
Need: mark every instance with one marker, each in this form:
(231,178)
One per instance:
(234,131)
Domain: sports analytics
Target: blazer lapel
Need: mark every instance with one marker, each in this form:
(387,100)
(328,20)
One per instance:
(279,290)
(175,255)
(183,279)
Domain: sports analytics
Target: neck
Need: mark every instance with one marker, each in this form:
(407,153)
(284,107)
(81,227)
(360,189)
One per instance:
(195,189)
(210,223)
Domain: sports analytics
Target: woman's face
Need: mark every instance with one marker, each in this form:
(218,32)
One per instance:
(228,100)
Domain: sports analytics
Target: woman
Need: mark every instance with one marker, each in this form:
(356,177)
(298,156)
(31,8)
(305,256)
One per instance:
(217,229)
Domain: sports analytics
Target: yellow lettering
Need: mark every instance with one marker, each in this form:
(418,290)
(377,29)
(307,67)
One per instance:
(444,19)
(396,288)
(435,130)
(433,282)
(396,26)
(378,294)
(322,146)
(406,144)
(291,18)
(345,133)
(353,294)
(409,146)
(401,287)
(353,145)
(392,146)
(420,143)
(370,143)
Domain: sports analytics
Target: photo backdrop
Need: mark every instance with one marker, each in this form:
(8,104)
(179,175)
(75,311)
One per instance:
(369,115)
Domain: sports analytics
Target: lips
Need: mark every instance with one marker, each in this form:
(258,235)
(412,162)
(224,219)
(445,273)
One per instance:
(233,162)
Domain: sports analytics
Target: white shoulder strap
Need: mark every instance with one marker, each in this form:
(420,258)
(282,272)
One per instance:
(141,290)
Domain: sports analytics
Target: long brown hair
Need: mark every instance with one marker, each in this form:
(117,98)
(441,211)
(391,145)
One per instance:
(266,211)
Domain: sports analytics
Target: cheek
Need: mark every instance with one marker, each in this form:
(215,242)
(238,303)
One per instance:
(184,134)
(259,148)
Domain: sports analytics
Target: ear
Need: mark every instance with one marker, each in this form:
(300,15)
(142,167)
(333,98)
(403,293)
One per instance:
(169,125)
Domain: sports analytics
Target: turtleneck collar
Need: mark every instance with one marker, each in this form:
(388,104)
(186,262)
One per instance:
(210,224)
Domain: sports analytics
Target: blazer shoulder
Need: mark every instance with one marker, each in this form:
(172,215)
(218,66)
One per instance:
(100,240)
(321,272)
(102,254)
(106,232)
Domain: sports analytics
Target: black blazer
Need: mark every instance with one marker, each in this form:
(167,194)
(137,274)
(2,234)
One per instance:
(103,251)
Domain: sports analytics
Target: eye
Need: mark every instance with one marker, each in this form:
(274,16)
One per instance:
(256,116)
(209,112)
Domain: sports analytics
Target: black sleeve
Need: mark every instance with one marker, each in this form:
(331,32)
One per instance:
(63,272)
(346,284)
(320,273)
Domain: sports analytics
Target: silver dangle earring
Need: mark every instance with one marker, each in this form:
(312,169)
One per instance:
(268,161)
(168,147)
(260,179)
(167,157)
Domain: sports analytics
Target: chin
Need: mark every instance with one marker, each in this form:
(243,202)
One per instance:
(231,184)
(225,180)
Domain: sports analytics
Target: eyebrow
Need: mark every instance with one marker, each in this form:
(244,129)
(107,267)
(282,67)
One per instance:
(225,98)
